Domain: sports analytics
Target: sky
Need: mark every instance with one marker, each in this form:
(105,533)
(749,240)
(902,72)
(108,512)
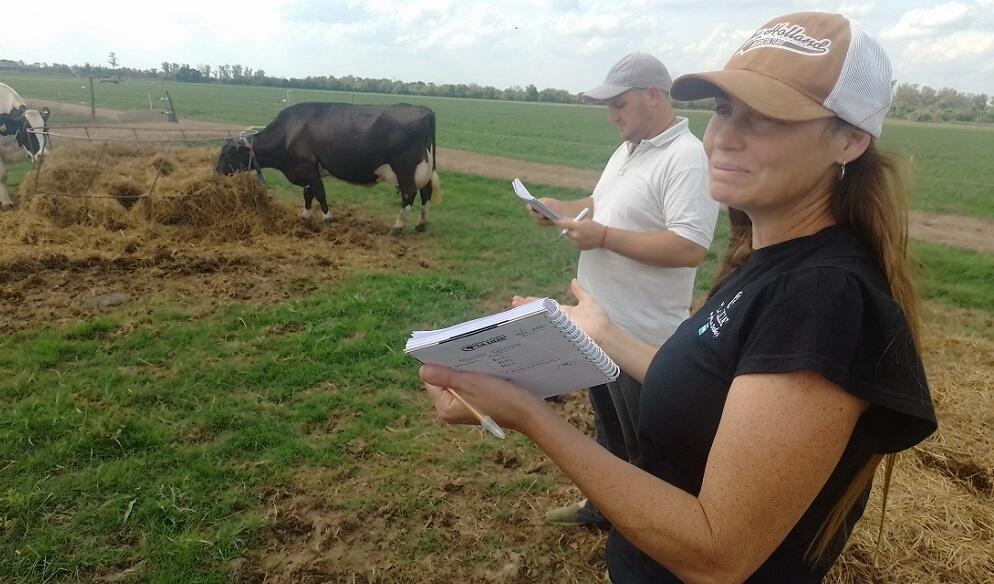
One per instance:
(565,44)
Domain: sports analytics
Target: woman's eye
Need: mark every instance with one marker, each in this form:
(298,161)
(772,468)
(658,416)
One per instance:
(722,109)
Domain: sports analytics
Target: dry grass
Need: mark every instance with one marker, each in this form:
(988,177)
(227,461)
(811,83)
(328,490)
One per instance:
(114,186)
(940,511)
(201,238)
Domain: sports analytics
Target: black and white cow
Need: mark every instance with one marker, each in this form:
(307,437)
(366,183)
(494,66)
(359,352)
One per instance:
(359,144)
(18,121)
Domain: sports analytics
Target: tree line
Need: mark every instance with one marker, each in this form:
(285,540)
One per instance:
(911,101)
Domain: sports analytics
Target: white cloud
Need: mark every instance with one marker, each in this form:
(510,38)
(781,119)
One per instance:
(714,50)
(857,10)
(956,46)
(568,44)
(923,22)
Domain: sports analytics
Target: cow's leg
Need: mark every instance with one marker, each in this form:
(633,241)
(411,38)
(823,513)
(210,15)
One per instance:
(407,202)
(5,202)
(306,175)
(317,187)
(308,199)
(425,203)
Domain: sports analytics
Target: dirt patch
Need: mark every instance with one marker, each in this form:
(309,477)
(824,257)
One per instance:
(199,239)
(956,230)
(509,168)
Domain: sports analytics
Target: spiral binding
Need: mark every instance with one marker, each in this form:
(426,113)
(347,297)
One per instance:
(590,350)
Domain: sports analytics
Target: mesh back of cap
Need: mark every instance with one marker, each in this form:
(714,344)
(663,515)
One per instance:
(862,94)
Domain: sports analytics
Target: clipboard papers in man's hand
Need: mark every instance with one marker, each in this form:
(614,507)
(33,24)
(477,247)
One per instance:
(523,194)
(534,345)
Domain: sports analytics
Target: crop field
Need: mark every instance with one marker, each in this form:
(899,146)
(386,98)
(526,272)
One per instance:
(953,165)
(247,414)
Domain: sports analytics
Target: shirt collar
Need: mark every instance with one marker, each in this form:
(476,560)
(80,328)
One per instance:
(680,125)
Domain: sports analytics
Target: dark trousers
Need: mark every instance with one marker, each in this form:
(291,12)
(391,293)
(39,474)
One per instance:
(616,411)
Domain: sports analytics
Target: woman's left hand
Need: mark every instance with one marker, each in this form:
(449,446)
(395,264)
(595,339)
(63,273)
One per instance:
(509,405)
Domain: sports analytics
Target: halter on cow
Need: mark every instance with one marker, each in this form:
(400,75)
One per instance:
(23,123)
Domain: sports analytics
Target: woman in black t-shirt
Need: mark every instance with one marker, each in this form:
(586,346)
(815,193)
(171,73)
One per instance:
(763,418)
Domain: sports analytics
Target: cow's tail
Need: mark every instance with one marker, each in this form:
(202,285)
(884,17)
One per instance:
(434,152)
(436,187)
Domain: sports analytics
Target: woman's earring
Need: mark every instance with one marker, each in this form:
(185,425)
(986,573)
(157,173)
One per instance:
(842,171)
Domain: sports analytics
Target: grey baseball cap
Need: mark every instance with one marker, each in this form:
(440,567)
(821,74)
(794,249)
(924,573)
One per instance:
(633,71)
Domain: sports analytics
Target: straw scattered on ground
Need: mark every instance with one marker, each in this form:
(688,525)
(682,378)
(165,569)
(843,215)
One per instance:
(157,224)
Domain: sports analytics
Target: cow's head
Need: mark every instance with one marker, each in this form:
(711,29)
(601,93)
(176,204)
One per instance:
(11,122)
(235,156)
(22,124)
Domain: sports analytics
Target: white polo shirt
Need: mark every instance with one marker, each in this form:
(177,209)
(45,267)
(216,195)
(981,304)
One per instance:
(661,183)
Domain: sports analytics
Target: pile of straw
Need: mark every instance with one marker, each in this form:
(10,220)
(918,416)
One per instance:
(124,187)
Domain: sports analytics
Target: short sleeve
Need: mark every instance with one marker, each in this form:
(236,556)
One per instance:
(689,209)
(828,321)
(805,319)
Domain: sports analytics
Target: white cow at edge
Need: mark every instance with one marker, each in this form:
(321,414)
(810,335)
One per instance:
(16,120)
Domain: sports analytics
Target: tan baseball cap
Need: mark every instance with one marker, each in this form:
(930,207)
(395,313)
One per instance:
(633,71)
(804,66)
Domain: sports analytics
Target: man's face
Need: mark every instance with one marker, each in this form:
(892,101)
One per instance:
(631,114)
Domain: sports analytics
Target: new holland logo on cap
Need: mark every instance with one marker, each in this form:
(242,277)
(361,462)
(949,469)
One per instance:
(804,66)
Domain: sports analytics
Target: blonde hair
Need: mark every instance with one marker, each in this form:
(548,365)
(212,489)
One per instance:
(872,200)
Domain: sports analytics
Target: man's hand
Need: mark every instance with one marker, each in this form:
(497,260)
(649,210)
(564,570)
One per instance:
(557,206)
(584,234)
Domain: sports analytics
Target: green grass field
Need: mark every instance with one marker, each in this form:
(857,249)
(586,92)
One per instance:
(953,165)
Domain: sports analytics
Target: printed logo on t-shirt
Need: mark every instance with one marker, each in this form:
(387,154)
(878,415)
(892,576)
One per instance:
(718,317)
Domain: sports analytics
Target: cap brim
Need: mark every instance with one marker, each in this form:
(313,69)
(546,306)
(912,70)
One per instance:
(768,96)
(604,92)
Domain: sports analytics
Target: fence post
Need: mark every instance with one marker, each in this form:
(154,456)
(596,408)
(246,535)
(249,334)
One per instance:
(93,101)
(172,109)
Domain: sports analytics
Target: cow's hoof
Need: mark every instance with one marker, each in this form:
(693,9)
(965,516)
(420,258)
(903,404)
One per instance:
(421,227)
(396,231)
(6,208)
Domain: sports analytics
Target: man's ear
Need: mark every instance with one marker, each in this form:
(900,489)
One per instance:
(655,95)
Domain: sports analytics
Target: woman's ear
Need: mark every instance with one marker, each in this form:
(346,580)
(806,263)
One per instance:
(854,143)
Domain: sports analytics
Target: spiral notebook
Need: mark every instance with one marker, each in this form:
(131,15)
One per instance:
(534,345)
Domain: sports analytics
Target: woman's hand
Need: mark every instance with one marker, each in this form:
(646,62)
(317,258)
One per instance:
(509,405)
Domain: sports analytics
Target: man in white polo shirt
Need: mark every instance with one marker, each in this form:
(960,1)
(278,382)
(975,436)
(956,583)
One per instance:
(651,224)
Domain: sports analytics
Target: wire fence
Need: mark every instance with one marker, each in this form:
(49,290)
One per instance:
(106,135)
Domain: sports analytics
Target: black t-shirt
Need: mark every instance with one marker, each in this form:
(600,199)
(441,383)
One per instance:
(815,303)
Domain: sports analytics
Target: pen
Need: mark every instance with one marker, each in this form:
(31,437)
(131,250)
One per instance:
(582,214)
(486,421)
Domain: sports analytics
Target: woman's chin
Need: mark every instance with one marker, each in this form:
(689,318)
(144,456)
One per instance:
(725,195)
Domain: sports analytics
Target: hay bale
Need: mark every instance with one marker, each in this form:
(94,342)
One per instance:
(230,207)
(107,185)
